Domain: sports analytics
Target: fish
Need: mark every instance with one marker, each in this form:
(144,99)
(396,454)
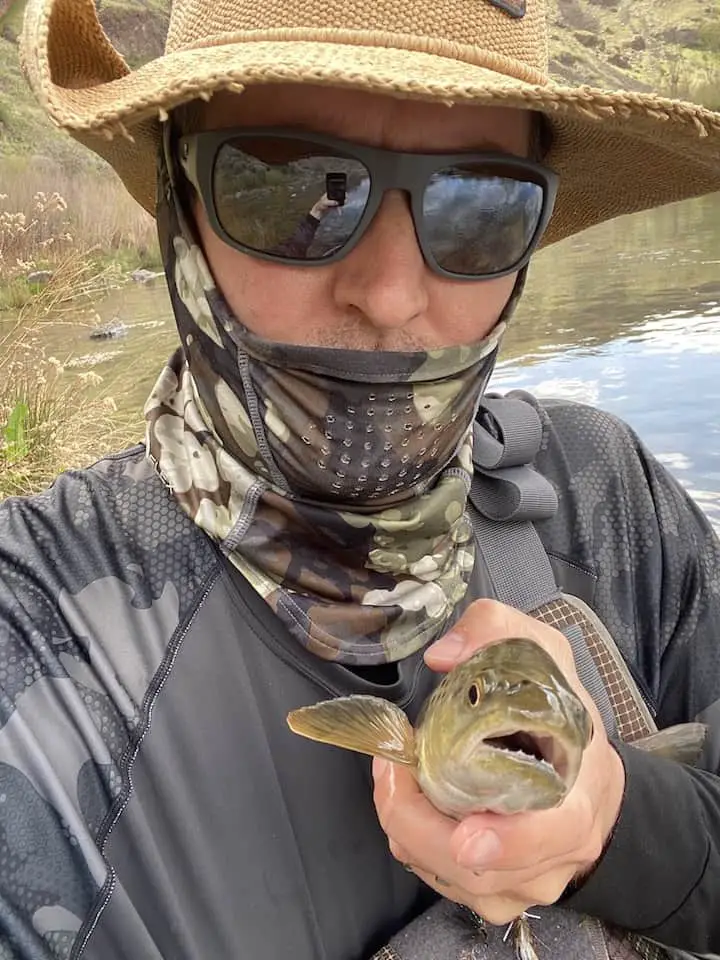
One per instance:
(504,732)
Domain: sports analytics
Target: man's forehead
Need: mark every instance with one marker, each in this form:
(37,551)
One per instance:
(370,118)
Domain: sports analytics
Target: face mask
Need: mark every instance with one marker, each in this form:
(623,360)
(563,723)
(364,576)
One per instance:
(360,428)
(336,481)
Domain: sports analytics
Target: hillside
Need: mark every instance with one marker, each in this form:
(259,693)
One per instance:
(137,27)
(669,45)
(672,46)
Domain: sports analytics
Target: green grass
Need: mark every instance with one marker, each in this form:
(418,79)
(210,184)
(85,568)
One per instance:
(13,19)
(127,259)
(16,293)
(24,127)
(51,417)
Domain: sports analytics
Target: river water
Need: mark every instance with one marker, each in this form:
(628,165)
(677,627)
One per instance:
(625,316)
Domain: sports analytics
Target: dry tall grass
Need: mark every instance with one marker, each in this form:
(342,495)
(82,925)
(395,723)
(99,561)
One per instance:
(47,211)
(51,417)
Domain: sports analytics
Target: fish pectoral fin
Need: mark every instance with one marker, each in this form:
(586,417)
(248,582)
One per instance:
(365,724)
(683,742)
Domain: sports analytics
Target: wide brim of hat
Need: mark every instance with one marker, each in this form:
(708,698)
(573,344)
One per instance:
(615,153)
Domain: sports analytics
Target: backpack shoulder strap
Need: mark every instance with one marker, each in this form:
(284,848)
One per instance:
(507,497)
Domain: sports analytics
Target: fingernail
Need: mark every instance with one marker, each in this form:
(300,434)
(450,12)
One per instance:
(449,647)
(479,850)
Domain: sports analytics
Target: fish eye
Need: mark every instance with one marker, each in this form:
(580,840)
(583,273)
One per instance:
(474,694)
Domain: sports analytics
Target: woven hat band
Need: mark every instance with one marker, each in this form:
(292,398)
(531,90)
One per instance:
(436,27)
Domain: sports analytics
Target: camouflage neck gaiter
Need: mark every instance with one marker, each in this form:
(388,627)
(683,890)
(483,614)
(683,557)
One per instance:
(335,480)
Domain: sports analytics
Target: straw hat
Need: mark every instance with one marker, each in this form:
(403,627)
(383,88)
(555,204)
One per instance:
(615,152)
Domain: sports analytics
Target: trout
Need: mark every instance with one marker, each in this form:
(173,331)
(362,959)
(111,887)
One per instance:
(502,732)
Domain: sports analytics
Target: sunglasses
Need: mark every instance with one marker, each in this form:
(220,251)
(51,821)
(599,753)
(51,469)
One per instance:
(302,198)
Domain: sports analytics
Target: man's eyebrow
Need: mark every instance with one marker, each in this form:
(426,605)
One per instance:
(480,146)
(491,146)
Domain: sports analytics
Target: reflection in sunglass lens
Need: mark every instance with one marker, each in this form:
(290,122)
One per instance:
(288,197)
(477,222)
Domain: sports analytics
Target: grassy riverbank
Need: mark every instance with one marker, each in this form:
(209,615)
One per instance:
(52,416)
(48,213)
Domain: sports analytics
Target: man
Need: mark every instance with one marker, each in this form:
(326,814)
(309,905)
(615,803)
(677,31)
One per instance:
(299,525)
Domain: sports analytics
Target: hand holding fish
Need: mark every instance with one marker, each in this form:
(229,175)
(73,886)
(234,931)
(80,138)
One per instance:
(507,789)
(501,865)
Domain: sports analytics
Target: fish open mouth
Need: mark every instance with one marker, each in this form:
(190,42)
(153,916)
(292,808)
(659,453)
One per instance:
(533,745)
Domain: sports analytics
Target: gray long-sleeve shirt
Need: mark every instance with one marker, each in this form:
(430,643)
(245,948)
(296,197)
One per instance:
(153,803)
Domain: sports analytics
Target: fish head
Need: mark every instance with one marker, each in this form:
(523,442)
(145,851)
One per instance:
(503,731)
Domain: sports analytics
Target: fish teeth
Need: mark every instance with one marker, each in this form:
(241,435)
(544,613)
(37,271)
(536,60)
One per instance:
(521,753)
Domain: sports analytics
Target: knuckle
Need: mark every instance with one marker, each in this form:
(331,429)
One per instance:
(547,897)
(488,619)
(547,892)
(398,851)
(440,884)
(492,612)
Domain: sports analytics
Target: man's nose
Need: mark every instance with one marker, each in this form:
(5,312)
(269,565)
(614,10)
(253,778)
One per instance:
(385,276)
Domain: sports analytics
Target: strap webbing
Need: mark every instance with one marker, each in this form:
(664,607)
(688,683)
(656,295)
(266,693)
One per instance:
(521,576)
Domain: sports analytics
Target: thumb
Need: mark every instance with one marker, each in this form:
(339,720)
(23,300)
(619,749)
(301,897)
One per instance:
(447,652)
(484,622)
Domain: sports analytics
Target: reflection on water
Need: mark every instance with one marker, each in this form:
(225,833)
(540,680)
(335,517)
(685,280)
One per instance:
(625,316)
(129,365)
(664,381)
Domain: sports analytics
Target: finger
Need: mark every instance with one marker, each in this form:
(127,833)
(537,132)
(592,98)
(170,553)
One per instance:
(496,910)
(420,835)
(493,842)
(488,621)
(401,854)
(444,887)
(381,781)
(412,822)
(485,621)
(534,884)
(530,843)
(391,781)
(519,887)
(499,911)
(405,813)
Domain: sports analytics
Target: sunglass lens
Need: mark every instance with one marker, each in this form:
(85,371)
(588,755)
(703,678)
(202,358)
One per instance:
(479,223)
(289,198)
